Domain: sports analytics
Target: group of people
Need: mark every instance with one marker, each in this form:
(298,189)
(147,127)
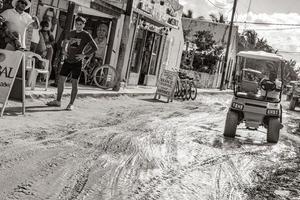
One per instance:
(73,48)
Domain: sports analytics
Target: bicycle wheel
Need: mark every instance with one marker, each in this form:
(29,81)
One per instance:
(176,89)
(184,91)
(105,76)
(193,92)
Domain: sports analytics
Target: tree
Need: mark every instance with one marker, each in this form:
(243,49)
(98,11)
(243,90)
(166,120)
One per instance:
(249,40)
(207,53)
(218,19)
(189,14)
(290,71)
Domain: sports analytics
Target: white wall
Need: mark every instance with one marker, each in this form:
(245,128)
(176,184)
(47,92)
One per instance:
(173,49)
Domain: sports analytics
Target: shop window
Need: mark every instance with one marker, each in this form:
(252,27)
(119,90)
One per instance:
(154,57)
(137,51)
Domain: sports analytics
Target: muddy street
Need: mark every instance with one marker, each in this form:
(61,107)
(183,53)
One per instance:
(139,149)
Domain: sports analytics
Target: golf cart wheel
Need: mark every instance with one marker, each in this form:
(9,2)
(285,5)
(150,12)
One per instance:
(292,104)
(273,130)
(231,124)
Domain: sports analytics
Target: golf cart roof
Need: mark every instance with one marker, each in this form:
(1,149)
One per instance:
(251,70)
(260,55)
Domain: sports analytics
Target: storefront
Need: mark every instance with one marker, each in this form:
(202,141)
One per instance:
(57,13)
(153,23)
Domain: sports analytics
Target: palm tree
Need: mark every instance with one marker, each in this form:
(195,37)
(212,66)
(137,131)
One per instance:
(218,19)
(189,14)
(249,40)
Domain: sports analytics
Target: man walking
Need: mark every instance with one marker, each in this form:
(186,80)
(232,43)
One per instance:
(74,45)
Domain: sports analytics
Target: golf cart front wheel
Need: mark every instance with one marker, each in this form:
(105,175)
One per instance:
(273,130)
(231,124)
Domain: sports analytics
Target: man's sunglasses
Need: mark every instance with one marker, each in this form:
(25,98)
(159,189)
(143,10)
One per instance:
(23,2)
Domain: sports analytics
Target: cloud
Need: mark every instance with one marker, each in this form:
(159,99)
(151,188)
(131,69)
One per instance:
(285,38)
(281,37)
(206,7)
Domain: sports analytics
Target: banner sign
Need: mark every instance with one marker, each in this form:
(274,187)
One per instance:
(166,84)
(9,66)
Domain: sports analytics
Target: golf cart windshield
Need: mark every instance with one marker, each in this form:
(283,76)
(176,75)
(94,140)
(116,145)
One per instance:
(258,76)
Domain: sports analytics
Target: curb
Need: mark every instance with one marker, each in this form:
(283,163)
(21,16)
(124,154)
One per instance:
(84,95)
(103,94)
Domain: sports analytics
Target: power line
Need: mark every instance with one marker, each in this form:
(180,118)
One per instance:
(265,23)
(276,29)
(294,52)
(214,5)
(248,10)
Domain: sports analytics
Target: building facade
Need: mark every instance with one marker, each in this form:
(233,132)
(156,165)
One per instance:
(145,36)
(155,41)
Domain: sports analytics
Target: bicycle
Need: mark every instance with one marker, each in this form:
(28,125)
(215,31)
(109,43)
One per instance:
(185,87)
(103,76)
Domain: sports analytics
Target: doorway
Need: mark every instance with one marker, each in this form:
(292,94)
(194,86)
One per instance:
(150,56)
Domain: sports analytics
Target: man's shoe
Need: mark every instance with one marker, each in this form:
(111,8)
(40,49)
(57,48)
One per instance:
(70,107)
(54,103)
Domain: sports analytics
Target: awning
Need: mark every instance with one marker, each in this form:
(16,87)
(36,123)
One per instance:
(151,20)
(93,12)
(84,8)
(85,3)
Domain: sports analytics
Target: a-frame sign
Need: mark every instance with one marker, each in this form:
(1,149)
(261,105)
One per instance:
(12,78)
(166,85)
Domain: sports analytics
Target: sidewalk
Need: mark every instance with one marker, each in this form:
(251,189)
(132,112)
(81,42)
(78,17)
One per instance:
(92,91)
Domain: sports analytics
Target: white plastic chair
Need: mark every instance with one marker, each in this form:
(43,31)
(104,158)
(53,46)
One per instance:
(29,66)
(33,71)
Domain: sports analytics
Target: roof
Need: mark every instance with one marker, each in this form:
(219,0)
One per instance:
(260,55)
(251,70)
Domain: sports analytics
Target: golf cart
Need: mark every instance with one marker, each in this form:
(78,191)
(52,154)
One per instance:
(295,96)
(257,94)
(289,90)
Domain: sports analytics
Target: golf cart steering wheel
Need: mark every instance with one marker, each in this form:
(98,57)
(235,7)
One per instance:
(267,85)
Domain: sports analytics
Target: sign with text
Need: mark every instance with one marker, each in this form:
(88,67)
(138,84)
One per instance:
(166,84)
(9,66)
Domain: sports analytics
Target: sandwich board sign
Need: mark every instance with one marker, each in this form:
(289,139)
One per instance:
(12,78)
(166,85)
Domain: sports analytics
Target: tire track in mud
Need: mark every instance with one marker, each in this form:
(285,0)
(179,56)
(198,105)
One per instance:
(9,162)
(150,190)
(26,188)
(77,183)
(123,167)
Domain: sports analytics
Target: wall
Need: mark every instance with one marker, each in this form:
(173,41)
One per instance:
(173,49)
(220,33)
(204,80)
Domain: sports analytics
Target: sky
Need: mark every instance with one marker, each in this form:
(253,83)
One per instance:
(284,38)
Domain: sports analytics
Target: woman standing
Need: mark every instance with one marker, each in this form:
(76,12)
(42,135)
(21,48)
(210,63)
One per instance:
(45,48)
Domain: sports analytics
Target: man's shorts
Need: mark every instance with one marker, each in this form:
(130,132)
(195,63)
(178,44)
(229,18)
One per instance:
(73,68)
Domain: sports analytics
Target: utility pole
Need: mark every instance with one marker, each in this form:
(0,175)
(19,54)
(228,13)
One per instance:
(228,45)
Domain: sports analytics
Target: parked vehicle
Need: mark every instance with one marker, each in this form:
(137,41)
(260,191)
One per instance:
(295,96)
(257,94)
(289,90)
